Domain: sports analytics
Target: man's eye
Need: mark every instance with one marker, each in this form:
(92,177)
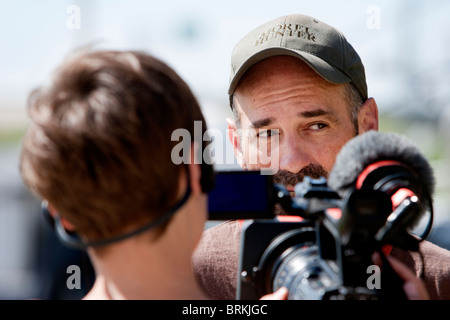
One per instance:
(318,126)
(266,133)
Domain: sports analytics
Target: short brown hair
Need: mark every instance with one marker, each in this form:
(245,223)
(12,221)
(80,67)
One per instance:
(99,144)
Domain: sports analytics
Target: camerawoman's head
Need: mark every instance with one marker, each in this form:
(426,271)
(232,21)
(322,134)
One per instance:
(98,149)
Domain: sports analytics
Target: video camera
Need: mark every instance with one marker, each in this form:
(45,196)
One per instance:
(320,246)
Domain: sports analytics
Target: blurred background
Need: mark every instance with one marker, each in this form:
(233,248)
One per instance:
(404,46)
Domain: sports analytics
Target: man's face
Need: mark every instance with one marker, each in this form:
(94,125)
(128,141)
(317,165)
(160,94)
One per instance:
(283,104)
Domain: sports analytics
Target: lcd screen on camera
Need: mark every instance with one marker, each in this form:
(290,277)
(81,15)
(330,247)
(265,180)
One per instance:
(241,195)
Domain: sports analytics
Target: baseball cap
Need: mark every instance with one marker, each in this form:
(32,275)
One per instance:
(321,46)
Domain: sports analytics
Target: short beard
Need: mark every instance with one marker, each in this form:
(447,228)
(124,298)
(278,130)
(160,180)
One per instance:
(287,178)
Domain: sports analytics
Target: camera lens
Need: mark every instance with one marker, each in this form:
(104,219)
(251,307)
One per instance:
(304,275)
(292,261)
(293,267)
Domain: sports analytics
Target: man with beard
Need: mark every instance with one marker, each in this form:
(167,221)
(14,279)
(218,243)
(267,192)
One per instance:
(297,87)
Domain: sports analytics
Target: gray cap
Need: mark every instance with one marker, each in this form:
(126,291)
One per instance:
(321,46)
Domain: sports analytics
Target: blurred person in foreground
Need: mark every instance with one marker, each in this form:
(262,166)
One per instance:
(98,151)
(298,78)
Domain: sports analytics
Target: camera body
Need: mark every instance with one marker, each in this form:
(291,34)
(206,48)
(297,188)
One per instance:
(324,256)
(320,247)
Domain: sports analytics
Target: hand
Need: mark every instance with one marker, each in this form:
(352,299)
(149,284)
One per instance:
(414,287)
(280,294)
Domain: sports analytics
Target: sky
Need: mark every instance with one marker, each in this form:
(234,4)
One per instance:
(403,43)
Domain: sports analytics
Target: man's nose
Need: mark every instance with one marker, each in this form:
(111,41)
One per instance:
(293,157)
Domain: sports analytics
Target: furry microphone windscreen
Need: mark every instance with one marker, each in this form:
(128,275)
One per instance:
(372,147)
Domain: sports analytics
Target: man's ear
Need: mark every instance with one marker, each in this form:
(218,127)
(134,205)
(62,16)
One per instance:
(368,116)
(235,140)
(54,213)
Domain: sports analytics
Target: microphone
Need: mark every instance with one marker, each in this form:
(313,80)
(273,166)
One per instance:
(391,164)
